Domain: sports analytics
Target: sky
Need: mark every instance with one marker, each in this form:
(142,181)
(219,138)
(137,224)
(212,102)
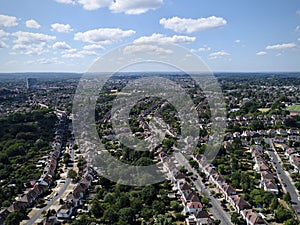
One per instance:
(229,36)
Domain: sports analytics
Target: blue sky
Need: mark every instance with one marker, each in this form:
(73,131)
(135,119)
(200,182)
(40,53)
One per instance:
(68,35)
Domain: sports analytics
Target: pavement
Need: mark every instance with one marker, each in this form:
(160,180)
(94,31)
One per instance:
(60,192)
(216,209)
(284,178)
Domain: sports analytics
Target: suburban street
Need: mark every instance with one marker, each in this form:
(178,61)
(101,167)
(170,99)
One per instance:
(49,204)
(57,194)
(216,208)
(282,175)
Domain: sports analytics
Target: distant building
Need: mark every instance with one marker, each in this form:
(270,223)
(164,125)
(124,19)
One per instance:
(31,83)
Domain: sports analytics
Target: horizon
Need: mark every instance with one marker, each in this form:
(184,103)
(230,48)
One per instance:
(226,35)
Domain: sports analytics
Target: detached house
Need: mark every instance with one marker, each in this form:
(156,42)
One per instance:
(253,218)
(200,218)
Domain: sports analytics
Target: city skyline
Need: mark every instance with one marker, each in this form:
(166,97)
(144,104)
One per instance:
(69,35)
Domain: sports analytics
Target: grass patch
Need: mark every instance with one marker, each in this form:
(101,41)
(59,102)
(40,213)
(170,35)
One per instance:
(293,108)
(264,109)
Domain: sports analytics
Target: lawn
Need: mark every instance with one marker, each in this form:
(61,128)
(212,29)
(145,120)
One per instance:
(294,107)
(264,109)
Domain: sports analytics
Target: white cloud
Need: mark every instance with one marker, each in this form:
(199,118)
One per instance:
(204,49)
(237,41)
(87,52)
(298,12)
(3,33)
(49,61)
(103,35)
(74,53)
(281,46)
(32,49)
(298,39)
(279,54)
(31,43)
(160,38)
(219,54)
(94,4)
(61,45)
(297,28)
(66,1)
(135,6)
(118,6)
(137,48)
(32,24)
(8,21)
(61,28)
(3,45)
(93,47)
(187,25)
(261,53)
(31,38)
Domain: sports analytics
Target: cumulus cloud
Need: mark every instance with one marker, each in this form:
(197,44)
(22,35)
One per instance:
(297,28)
(74,53)
(237,41)
(8,21)
(188,25)
(32,38)
(118,6)
(3,45)
(203,49)
(3,33)
(160,38)
(93,47)
(143,48)
(33,49)
(219,54)
(261,53)
(103,36)
(31,43)
(66,1)
(298,12)
(135,6)
(281,46)
(32,24)
(61,28)
(49,61)
(61,45)
(94,4)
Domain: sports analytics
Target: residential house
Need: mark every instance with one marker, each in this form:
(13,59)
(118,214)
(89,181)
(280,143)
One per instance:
(253,218)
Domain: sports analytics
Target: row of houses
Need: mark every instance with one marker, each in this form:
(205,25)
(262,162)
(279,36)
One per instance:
(73,199)
(231,196)
(192,207)
(28,198)
(279,134)
(293,156)
(267,181)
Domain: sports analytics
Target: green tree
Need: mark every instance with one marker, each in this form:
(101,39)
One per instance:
(96,209)
(14,218)
(292,222)
(72,174)
(287,197)
(126,216)
(235,218)
(282,214)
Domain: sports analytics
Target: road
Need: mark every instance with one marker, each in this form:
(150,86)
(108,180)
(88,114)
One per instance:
(282,175)
(216,208)
(50,203)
